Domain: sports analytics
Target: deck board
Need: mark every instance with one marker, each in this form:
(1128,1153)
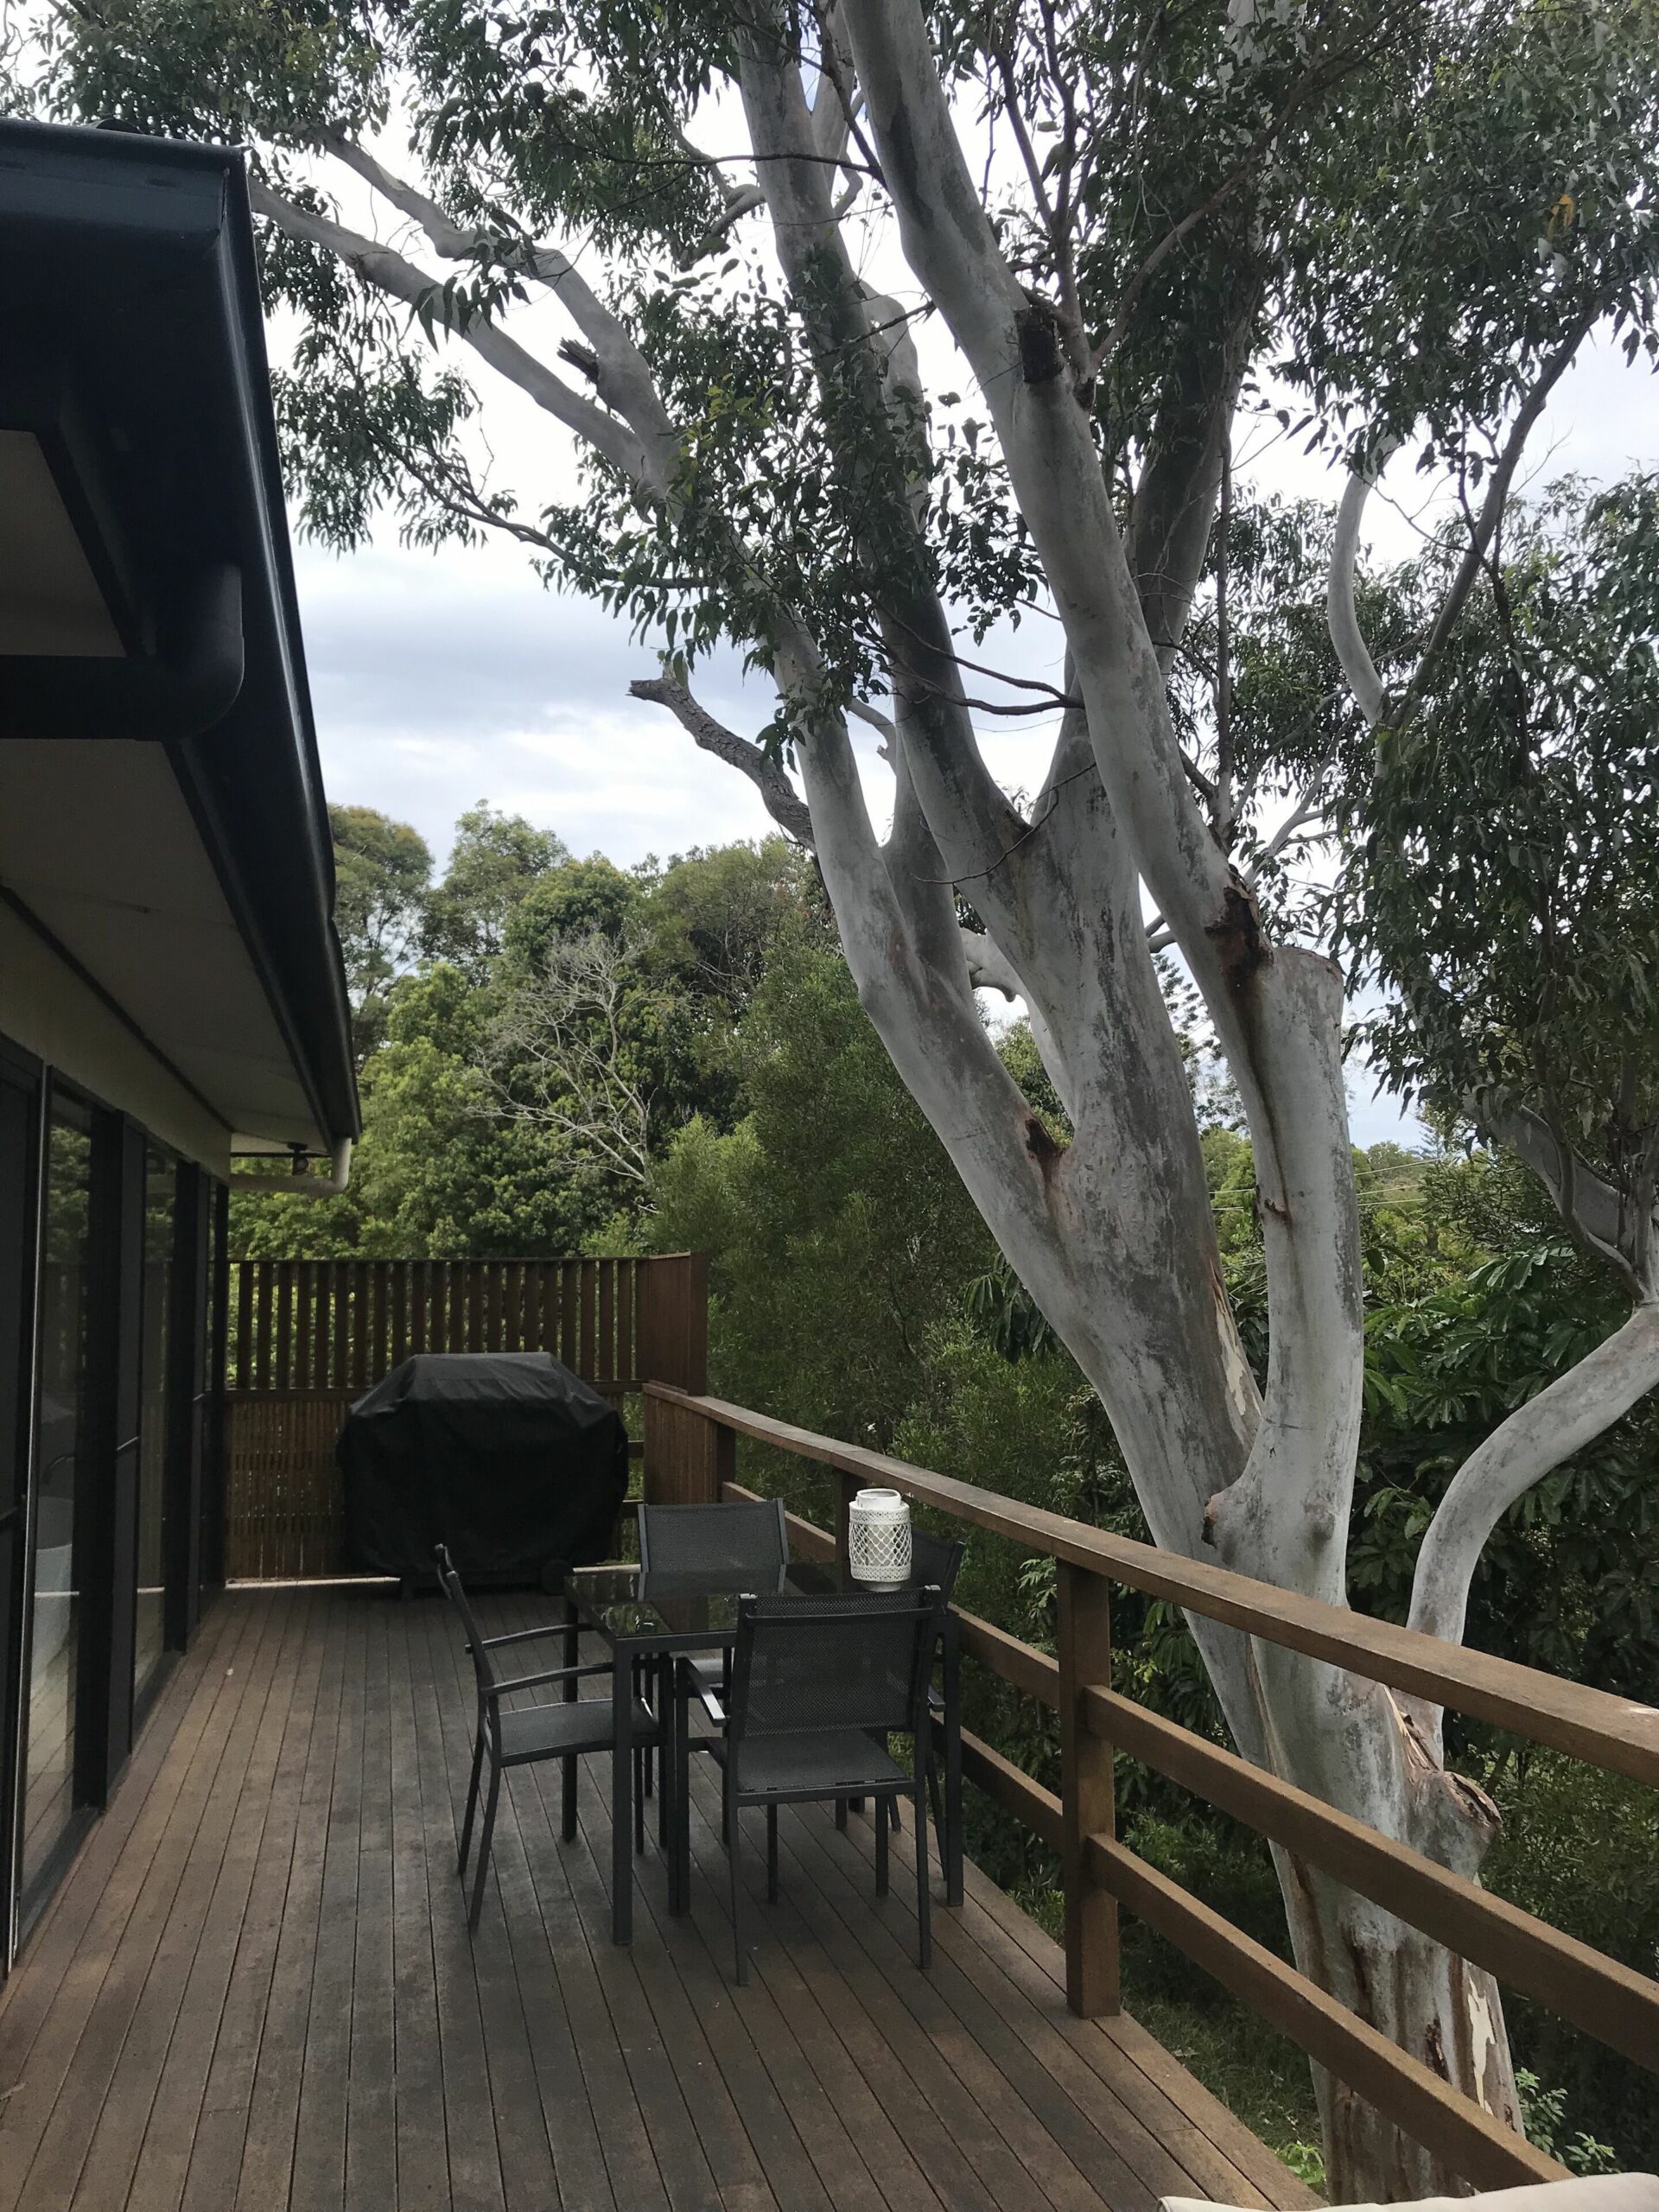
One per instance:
(256,1989)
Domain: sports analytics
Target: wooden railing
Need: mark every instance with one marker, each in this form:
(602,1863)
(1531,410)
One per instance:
(689,1454)
(304,1337)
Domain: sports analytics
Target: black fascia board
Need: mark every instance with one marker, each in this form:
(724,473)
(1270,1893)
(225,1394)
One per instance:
(131,259)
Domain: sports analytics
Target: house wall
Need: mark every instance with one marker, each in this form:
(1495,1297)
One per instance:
(48,1009)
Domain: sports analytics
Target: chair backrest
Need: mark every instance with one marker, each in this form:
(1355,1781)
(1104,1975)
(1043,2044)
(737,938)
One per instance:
(463,1605)
(807,1664)
(744,1538)
(936,1560)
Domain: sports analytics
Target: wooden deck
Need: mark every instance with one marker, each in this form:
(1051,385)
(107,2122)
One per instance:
(256,1990)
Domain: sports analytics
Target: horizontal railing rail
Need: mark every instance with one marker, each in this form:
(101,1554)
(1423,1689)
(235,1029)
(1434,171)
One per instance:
(1608,1731)
(690,1453)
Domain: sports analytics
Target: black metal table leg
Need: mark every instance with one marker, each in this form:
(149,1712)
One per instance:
(622,1796)
(681,1674)
(953,1887)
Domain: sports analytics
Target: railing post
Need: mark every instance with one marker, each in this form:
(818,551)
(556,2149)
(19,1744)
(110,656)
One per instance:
(1086,1792)
(721,1447)
(688,1457)
(672,1343)
(654,1460)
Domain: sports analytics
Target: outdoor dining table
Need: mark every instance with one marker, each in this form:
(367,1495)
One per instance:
(661,1619)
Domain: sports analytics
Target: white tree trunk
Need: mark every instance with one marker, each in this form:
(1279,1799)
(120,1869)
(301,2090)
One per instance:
(1282,1475)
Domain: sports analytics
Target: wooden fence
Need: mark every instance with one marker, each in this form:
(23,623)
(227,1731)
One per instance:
(689,1454)
(304,1337)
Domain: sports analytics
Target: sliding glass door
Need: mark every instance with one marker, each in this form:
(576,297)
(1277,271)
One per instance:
(109,1481)
(19,1154)
(61,1504)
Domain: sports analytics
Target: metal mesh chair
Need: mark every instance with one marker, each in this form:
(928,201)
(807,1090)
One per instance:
(818,1686)
(740,1538)
(935,1562)
(743,1538)
(520,1735)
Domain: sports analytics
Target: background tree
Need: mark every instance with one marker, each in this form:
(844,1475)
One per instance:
(558,1051)
(1193,199)
(382,870)
(495,861)
(830,1196)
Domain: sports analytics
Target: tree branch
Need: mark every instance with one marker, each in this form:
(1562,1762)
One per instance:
(1497,490)
(401,279)
(1576,1408)
(782,801)
(968,814)
(1589,1204)
(1341,608)
(989,968)
(618,370)
(1342,615)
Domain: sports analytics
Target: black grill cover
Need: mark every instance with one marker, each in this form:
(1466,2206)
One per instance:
(511,1460)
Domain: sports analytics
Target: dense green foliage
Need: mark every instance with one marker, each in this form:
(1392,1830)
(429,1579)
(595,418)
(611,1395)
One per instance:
(1522,956)
(480,1137)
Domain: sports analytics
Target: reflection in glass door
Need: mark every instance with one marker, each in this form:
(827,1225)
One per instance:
(49,1767)
(19,1146)
(149,1618)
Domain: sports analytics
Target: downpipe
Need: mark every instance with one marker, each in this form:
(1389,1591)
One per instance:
(297,1183)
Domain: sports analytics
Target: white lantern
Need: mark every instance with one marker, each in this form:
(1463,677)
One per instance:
(877,1537)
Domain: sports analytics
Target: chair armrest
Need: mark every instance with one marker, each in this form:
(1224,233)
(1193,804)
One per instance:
(552,1674)
(524,1636)
(712,1706)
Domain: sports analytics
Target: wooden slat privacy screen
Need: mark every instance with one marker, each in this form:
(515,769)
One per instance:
(304,1337)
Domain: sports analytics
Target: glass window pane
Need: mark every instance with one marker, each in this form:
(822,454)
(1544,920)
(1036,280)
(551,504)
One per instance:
(49,1798)
(149,1625)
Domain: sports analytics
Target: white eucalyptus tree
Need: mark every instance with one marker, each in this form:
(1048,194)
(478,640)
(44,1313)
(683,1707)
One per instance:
(1128,219)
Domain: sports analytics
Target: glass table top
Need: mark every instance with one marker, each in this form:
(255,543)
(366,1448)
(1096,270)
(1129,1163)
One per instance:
(624,1603)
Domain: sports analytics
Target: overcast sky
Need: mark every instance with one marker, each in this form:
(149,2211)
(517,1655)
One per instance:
(440,679)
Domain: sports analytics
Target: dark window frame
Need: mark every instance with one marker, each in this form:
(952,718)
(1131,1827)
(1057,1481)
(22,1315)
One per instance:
(109,1709)
(21,1192)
